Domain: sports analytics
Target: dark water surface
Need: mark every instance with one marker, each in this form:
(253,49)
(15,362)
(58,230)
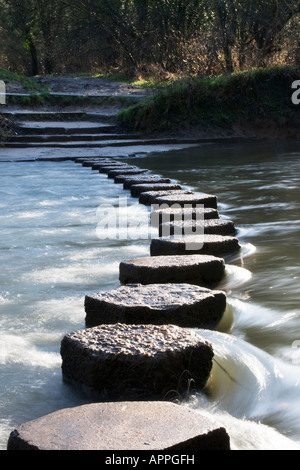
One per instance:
(51,256)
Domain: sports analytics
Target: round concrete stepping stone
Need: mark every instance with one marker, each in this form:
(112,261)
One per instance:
(97,165)
(171,214)
(149,197)
(201,270)
(123,426)
(110,167)
(217,245)
(87,159)
(192,227)
(119,361)
(137,189)
(145,175)
(143,179)
(126,171)
(183,305)
(193,199)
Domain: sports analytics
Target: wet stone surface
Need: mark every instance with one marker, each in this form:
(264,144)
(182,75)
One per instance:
(149,197)
(202,270)
(184,305)
(216,245)
(116,362)
(175,213)
(92,163)
(208,200)
(110,167)
(137,189)
(126,171)
(122,426)
(143,179)
(192,227)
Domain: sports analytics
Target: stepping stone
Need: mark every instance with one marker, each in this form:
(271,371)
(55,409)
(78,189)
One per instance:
(216,245)
(119,361)
(87,159)
(123,426)
(110,167)
(88,163)
(96,166)
(143,179)
(202,270)
(149,197)
(192,227)
(193,199)
(171,214)
(126,171)
(137,189)
(185,305)
(140,176)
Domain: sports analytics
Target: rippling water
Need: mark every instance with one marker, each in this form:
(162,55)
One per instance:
(51,257)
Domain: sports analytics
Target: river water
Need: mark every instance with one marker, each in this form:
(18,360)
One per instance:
(51,256)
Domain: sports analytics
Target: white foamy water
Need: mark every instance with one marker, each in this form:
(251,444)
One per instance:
(50,257)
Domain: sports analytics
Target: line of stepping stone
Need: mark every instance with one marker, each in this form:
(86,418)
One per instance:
(138,348)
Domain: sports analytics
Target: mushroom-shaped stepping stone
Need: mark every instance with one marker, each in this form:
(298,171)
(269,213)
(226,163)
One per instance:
(149,197)
(123,426)
(137,189)
(202,270)
(216,245)
(192,227)
(119,361)
(142,179)
(184,305)
(194,199)
(126,171)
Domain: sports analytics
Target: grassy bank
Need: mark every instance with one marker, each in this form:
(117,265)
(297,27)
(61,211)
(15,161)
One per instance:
(257,103)
(26,83)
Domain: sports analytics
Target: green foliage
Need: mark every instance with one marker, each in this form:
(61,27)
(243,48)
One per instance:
(261,97)
(26,82)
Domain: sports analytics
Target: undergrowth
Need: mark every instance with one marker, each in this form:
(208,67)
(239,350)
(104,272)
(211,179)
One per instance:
(261,97)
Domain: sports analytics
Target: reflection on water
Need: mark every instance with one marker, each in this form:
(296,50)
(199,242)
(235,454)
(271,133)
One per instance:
(51,257)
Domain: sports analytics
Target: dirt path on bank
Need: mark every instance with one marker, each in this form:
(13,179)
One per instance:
(91,86)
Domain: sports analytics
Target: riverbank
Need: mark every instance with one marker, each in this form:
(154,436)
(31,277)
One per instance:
(255,104)
(252,104)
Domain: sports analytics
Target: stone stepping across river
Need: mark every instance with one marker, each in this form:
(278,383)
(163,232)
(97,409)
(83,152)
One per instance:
(183,305)
(192,227)
(149,197)
(178,213)
(181,198)
(216,245)
(129,181)
(113,166)
(123,426)
(201,270)
(101,162)
(119,361)
(137,189)
(134,170)
(192,199)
